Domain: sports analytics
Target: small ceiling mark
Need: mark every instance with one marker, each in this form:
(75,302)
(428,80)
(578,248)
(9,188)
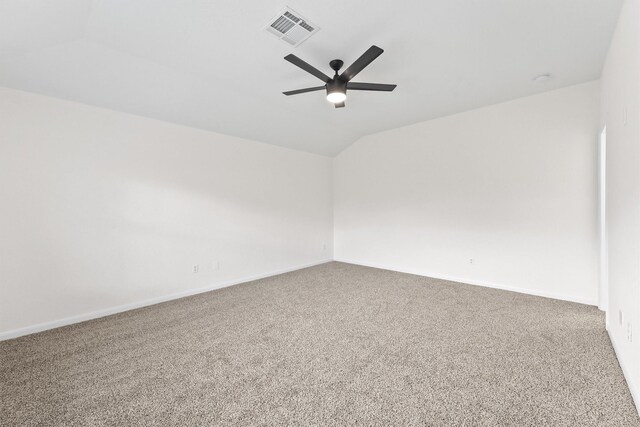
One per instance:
(542,78)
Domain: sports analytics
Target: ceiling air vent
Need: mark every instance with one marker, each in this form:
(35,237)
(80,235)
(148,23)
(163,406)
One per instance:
(291,27)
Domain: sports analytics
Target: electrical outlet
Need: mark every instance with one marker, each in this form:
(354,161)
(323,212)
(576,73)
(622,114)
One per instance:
(470,260)
(629,333)
(195,268)
(215,265)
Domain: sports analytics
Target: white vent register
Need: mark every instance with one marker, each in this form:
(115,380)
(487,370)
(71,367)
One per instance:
(290,27)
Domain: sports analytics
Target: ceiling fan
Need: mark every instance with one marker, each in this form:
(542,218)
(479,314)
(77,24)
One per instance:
(338,85)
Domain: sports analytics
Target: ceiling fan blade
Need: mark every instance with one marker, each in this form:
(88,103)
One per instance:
(367,58)
(339,105)
(308,68)
(309,89)
(370,86)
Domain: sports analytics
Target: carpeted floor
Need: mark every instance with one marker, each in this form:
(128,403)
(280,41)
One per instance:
(335,344)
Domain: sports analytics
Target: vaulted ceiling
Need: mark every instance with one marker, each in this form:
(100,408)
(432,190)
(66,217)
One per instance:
(211,65)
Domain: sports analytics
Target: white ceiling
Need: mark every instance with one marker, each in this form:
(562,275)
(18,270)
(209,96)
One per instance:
(209,63)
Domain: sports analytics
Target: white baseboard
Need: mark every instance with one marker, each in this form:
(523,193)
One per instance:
(138,304)
(479,283)
(633,388)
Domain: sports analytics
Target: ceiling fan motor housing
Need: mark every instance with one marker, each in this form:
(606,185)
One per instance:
(336,85)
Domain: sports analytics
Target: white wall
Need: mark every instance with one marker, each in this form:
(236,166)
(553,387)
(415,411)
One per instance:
(620,99)
(512,186)
(100,209)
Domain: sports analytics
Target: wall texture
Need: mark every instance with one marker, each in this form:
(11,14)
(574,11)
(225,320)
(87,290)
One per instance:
(621,116)
(503,196)
(102,210)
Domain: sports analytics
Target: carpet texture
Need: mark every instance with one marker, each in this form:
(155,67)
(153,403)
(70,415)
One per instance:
(335,344)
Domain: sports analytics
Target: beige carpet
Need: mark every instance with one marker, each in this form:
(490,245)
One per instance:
(335,344)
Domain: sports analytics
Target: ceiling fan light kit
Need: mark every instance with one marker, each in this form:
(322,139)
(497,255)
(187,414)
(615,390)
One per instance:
(337,86)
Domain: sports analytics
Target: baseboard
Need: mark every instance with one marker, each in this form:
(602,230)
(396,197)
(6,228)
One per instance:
(138,304)
(478,283)
(633,388)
